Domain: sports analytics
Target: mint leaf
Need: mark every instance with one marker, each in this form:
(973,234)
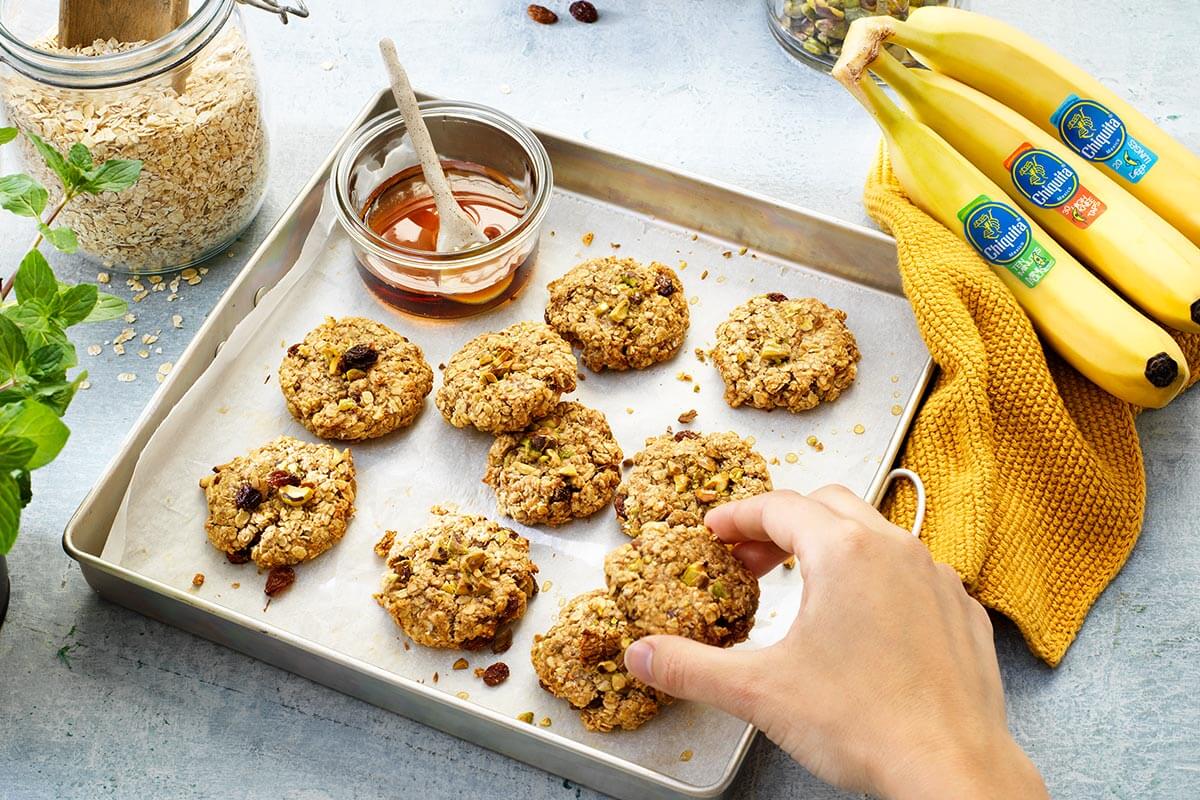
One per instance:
(75,303)
(79,156)
(22,195)
(35,280)
(58,395)
(15,452)
(7,135)
(62,238)
(107,307)
(69,174)
(39,329)
(10,512)
(44,361)
(40,425)
(113,175)
(12,348)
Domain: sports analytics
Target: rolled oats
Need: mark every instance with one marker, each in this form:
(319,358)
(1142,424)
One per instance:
(204,154)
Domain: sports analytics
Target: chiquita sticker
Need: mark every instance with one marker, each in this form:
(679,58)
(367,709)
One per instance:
(1096,133)
(1005,238)
(1048,182)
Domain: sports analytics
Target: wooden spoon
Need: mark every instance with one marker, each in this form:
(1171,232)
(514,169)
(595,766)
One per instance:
(456,229)
(81,22)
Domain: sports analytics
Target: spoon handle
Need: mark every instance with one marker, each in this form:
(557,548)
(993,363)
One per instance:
(406,100)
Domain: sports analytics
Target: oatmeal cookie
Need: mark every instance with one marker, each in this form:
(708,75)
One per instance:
(773,352)
(504,380)
(582,660)
(456,582)
(354,378)
(683,581)
(623,314)
(564,466)
(679,477)
(285,502)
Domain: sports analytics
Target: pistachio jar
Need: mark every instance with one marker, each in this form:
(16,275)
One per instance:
(187,105)
(813,30)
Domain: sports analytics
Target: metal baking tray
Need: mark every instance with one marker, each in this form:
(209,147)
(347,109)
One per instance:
(741,218)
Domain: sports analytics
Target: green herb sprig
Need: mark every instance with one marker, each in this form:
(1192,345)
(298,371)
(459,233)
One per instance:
(35,311)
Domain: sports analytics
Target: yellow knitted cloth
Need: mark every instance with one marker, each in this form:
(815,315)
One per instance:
(1034,475)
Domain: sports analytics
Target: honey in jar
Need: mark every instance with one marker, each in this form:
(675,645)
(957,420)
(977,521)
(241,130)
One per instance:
(401,211)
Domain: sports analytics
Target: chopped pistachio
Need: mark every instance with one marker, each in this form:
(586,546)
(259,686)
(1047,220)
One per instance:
(681,483)
(526,716)
(621,311)
(694,575)
(295,495)
(773,351)
(718,590)
(461,663)
(346,404)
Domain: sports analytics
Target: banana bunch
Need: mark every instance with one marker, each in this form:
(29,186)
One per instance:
(1031,203)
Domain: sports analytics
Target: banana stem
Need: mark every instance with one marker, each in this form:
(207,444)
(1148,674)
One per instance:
(894,73)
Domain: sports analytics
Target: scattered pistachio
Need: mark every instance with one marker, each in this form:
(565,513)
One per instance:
(621,311)
(525,716)
(686,755)
(544,723)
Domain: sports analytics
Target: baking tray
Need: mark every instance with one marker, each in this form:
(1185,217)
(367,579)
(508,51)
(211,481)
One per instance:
(660,196)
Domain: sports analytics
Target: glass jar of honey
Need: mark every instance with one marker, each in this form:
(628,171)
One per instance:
(499,173)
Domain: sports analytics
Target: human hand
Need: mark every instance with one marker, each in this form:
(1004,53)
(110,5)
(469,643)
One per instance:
(887,680)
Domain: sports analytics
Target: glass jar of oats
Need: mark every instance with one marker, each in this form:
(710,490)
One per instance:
(188,105)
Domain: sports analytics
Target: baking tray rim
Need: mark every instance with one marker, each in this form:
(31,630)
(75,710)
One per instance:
(156,409)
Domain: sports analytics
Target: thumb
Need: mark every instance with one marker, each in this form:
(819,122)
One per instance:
(727,679)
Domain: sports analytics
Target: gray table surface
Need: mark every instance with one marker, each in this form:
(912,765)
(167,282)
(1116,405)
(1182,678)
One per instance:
(99,701)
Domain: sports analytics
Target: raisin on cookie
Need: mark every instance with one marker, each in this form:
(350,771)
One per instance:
(285,502)
(773,352)
(677,478)
(564,466)
(354,378)
(621,313)
(683,581)
(502,381)
(457,582)
(581,659)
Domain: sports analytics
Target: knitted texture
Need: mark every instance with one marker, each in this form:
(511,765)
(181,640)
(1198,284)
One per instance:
(1036,486)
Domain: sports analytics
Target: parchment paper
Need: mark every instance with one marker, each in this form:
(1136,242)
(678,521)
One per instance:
(236,405)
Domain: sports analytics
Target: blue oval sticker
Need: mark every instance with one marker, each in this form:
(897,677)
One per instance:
(1044,178)
(1091,129)
(997,231)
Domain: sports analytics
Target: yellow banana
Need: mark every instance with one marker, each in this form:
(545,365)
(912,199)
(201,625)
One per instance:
(1061,99)
(1155,266)
(1096,331)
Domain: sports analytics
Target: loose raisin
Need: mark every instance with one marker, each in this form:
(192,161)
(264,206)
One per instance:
(294,349)
(584,11)
(282,478)
(664,285)
(278,579)
(777,297)
(681,435)
(542,15)
(496,674)
(247,498)
(360,356)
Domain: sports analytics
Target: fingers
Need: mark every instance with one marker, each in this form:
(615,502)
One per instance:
(793,522)
(760,557)
(732,680)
